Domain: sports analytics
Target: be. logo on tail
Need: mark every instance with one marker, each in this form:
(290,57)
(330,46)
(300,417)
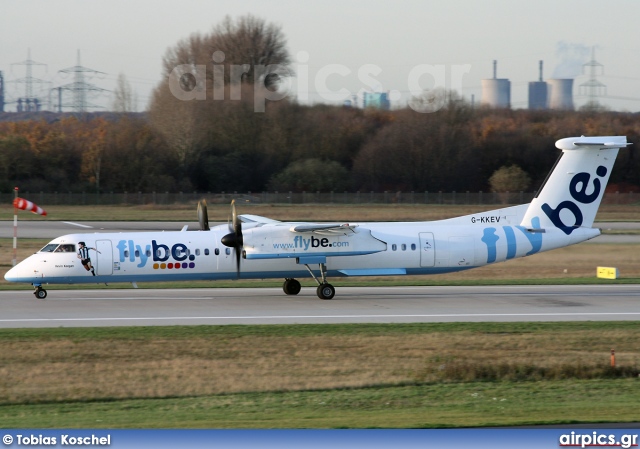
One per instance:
(578,194)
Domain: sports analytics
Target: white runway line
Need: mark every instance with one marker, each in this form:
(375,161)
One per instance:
(77,224)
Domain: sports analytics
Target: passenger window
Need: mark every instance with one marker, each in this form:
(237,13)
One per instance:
(206,251)
(217,252)
(227,251)
(137,253)
(197,252)
(148,253)
(126,253)
(413,247)
(394,247)
(404,247)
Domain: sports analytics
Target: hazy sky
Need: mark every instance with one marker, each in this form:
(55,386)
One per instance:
(400,36)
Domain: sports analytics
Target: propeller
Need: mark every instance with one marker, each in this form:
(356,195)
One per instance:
(234,238)
(203,217)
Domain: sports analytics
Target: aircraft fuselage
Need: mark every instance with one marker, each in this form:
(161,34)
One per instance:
(409,248)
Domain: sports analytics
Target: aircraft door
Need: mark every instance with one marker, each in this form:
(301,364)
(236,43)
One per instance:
(104,259)
(427,249)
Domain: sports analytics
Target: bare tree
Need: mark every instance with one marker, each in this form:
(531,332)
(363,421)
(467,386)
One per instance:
(250,40)
(183,126)
(247,48)
(124,98)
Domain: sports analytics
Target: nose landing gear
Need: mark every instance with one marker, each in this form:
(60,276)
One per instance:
(39,292)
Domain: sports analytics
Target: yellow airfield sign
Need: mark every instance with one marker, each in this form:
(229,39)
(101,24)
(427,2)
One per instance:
(607,272)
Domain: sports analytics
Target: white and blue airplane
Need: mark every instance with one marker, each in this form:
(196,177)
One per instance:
(254,247)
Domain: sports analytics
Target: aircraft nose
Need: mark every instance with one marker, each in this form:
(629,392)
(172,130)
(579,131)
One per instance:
(12,274)
(19,273)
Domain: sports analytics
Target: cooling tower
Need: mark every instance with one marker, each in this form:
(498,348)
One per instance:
(496,93)
(561,94)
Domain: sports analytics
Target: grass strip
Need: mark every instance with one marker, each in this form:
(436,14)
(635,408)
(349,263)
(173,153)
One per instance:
(473,404)
(320,376)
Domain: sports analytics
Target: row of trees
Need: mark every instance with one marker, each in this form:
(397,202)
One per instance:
(293,147)
(84,155)
(224,141)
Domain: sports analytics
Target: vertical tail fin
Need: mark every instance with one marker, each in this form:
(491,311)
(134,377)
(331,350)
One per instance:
(570,196)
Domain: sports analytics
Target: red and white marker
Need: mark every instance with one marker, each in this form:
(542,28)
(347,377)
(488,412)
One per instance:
(23,204)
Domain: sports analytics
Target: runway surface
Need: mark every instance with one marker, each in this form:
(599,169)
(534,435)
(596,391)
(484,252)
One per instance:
(45,229)
(145,307)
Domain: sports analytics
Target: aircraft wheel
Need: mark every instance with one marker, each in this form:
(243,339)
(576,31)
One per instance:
(326,291)
(291,287)
(40,293)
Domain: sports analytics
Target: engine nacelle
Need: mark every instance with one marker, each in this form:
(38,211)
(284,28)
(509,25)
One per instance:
(279,241)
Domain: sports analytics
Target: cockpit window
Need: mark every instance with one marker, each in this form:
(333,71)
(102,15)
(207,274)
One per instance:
(59,248)
(49,248)
(66,249)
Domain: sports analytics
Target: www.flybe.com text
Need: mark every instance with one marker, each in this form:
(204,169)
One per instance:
(300,242)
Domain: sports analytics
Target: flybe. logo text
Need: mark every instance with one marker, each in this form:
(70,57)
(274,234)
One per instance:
(178,254)
(301,243)
(578,189)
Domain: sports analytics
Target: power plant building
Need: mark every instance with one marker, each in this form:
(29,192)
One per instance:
(1,93)
(377,100)
(552,94)
(496,92)
(561,94)
(538,93)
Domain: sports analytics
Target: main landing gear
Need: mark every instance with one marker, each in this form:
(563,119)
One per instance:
(40,292)
(291,286)
(324,290)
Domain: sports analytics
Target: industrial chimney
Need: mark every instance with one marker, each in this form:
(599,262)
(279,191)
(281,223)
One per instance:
(538,92)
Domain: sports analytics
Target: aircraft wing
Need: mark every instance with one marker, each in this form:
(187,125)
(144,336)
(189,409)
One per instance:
(337,228)
(248,218)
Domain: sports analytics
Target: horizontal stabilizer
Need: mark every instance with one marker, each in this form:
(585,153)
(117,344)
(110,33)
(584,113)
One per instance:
(574,143)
